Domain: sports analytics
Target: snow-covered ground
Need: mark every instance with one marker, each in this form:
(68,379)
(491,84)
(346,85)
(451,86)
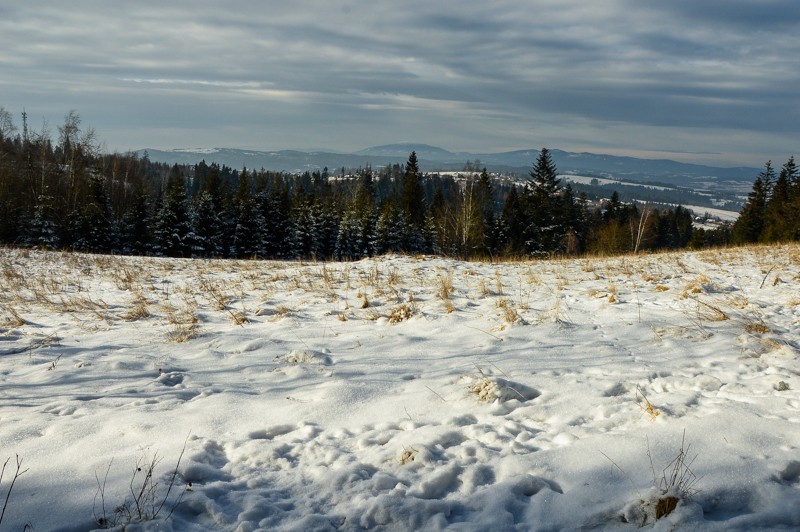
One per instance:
(721,214)
(402,393)
(588,180)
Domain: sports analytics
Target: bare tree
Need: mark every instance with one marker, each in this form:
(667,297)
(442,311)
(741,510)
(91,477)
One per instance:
(7,127)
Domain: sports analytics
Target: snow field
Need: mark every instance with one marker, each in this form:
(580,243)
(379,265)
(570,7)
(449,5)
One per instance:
(402,393)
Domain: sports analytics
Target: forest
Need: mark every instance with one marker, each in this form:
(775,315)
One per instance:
(64,192)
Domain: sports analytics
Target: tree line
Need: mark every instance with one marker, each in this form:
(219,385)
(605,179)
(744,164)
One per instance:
(772,211)
(65,193)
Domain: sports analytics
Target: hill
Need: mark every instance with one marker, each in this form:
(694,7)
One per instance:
(432,158)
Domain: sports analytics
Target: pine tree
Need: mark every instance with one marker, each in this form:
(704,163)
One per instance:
(413,194)
(545,175)
(547,229)
(781,217)
(93,227)
(573,218)
(514,223)
(349,237)
(248,223)
(613,208)
(42,230)
(485,197)
(173,227)
(365,195)
(430,236)
(392,231)
(403,235)
(302,229)
(674,228)
(324,231)
(750,224)
(207,227)
(136,231)
(278,221)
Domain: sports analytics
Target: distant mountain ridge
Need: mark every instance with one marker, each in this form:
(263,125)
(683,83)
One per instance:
(433,158)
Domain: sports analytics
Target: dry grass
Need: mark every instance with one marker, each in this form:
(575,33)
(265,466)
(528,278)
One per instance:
(183,322)
(756,326)
(408,455)
(364,300)
(557,314)
(483,288)
(11,319)
(510,314)
(182,332)
(646,406)
(677,480)
(699,285)
(139,309)
(400,313)
(394,277)
(444,286)
(498,290)
(705,311)
(484,389)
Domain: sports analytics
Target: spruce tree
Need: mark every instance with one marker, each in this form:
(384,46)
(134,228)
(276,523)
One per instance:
(572,216)
(547,225)
(324,231)
(247,235)
(514,223)
(365,195)
(349,237)
(93,225)
(208,227)
(545,175)
(750,224)
(136,231)
(173,228)
(783,208)
(42,230)
(485,193)
(413,194)
(302,229)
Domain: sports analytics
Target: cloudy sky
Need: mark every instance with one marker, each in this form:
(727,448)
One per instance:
(711,81)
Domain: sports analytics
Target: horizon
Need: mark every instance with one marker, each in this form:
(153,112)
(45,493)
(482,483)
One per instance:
(411,145)
(709,83)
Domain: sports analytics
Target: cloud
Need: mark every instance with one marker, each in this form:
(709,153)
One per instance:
(470,75)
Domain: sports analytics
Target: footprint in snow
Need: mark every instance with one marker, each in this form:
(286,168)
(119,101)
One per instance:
(306,356)
(172,378)
(790,473)
(271,432)
(60,410)
(207,464)
(617,390)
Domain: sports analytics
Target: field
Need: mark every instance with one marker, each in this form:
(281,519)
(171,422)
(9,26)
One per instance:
(401,393)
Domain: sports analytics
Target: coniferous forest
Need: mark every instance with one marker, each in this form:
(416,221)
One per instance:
(62,192)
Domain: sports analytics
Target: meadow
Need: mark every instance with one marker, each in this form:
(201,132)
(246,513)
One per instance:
(401,392)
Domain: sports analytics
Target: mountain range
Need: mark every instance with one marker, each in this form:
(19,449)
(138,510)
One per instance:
(432,158)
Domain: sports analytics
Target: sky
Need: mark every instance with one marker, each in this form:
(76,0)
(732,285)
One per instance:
(713,82)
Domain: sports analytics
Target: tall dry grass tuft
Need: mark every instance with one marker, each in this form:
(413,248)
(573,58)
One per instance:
(510,314)
(139,309)
(11,319)
(444,285)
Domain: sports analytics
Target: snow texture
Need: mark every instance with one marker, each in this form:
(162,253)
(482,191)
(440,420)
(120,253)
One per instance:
(549,395)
